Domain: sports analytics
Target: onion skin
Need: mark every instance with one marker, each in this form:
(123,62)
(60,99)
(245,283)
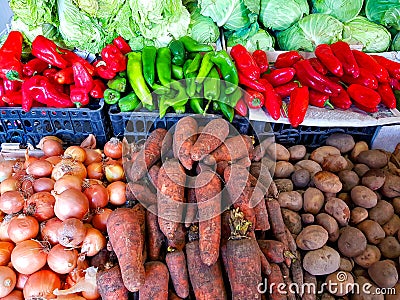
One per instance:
(71,233)
(28,257)
(95,170)
(54,159)
(23,228)
(11,202)
(97,195)
(40,168)
(43,185)
(113,148)
(41,206)
(48,230)
(8,279)
(93,242)
(114,172)
(68,182)
(5,252)
(62,260)
(117,192)
(71,204)
(6,169)
(21,280)
(52,148)
(69,167)
(41,285)
(14,295)
(4,229)
(99,220)
(10,184)
(92,156)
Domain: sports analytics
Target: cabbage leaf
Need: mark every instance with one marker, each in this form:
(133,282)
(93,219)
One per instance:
(396,42)
(391,18)
(343,10)
(261,39)
(202,28)
(34,13)
(375,9)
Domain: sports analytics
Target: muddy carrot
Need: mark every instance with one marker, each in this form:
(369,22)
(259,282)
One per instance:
(275,279)
(155,238)
(191,209)
(221,166)
(184,137)
(110,284)
(153,175)
(297,271)
(276,221)
(265,265)
(176,263)
(225,235)
(245,162)
(179,240)
(156,284)
(142,193)
(288,282)
(309,280)
(273,250)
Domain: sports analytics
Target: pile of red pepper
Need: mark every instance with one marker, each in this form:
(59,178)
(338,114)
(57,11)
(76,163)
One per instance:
(337,77)
(55,77)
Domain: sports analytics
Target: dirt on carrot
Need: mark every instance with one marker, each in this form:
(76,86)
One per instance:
(176,263)
(110,284)
(155,238)
(142,193)
(275,279)
(156,282)
(184,138)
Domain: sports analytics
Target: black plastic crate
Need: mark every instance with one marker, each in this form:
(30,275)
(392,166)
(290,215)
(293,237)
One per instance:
(71,125)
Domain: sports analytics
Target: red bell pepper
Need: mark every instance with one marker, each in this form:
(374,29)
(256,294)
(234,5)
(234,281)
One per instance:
(253,84)
(98,89)
(114,58)
(2,92)
(122,45)
(49,52)
(285,90)
(390,65)
(287,59)
(394,83)
(11,85)
(366,109)
(298,104)
(245,63)
(14,98)
(319,100)
(10,56)
(82,78)
(344,54)
(280,76)
(364,96)
(366,61)
(387,95)
(103,71)
(73,58)
(318,66)
(341,101)
(311,78)
(273,102)
(241,108)
(260,56)
(254,99)
(64,76)
(365,78)
(324,53)
(34,66)
(79,96)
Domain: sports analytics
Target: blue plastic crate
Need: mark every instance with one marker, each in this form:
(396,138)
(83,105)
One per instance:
(72,125)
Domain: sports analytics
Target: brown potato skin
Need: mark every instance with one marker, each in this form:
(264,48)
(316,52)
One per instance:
(375,159)
(297,152)
(363,196)
(338,209)
(358,214)
(322,261)
(319,154)
(372,231)
(313,200)
(358,148)
(370,255)
(291,200)
(382,212)
(349,179)
(374,179)
(334,163)
(330,225)
(351,242)
(343,141)
(312,237)
(310,165)
(283,169)
(292,220)
(390,247)
(392,226)
(383,273)
(327,182)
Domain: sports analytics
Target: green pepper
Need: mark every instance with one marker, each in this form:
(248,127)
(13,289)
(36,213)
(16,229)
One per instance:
(216,106)
(178,52)
(163,65)
(122,74)
(129,103)
(175,100)
(190,79)
(160,89)
(192,45)
(149,54)
(196,104)
(111,96)
(118,84)
(228,69)
(205,67)
(177,72)
(227,110)
(234,97)
(195,64)
(212,85)
(149,107)
(179,109)
(136,79)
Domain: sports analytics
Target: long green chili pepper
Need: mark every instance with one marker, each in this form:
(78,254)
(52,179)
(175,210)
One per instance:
(178,52)
(196,104)
(228,70)
(160,89)
(177,72)
(212,85)
(128,103)
(180,109)
(195,64)
(150,107)
(136,79)
(149,54)
(227,110)
(192,45)
(164,65)
(215,106)
(205,67)
(190,79)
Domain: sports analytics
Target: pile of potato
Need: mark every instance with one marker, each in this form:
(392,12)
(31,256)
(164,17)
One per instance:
(341,202)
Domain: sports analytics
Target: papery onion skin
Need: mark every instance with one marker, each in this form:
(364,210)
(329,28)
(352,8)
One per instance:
(4,228)
(23,228)
(48,230)
(93,242)
(114,172)
(11,202)
(52,148)
(41,285)
(6,169)
(68,167)
(92,156)
(71,233)
(95,170)
(68,182)
(99,220)
(61,259)
(97,195)
(28,257)
(113,148)
(71,204)
(10,184)
(76,153)
(40,168)
(91,295)
(54,159)
(117,192)
(14,295)
(43,185)
(41,206)
(5,252)
(8,279)
(21,280)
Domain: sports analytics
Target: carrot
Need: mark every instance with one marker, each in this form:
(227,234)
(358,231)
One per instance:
(225,235)
(265,266)
(110,284)
(149,155)
(173,296)
(176,263)
(207,281)
(155,238)
(221,166)
(276,221)
(288,282)
(245,162)
(140,212)
(261,149)
(170,196)
(125,235)
(191,209)
(309,280)
(211,137)
(232,149)
(260,210)
(153,175)
(208,196)
(156,283)
(142,193)
(275,279)
(273,250)
(184,137)
(297,271)
(291,241)
(179,240)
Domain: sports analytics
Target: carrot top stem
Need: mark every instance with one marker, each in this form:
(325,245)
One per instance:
(240,227)
(193,233)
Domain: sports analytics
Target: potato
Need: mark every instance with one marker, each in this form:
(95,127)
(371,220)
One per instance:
(349,179)
(313,200)
(375,159)
(334,163)
(310,165)
(343,141)
(346,264)
(374,179)
(307,218)
(297,152)
(278,152)
(350,164)
(370,293)
(382,212)
(301,178)
(371,255)
(283,169)
(352,242)
(358,214)
(390,247)
(319,154)
(338,209)
(312,237)
(372,230)
(361,169)
(392,226)
(327,296)
(358,148)
(395,294)
(383,273)
(363,196)
(284,185)
(327,182)
(330,225)
(396,205)
(344,196)
(292,220)
(291,200)
(321,261)
(391,186)
(340,283)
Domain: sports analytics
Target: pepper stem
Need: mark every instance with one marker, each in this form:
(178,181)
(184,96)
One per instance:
(258,45)
(13,75)
(298,83)
(328,104)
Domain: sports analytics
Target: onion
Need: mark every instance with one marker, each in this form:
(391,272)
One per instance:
(11,202)
(40,168)
(5,253)
(68,166)
(21,280)
(10,184)
(23,228)
(76,153)
(93,242)
(4,228)
(8,278)
(117,192)
(71,204)
(52,148)
(113,148)
(92,156)
(92,295)
(70,297)
(29,160)
(6,169)
(43,185)
(99,220)
(14,295)
(95,170)
(78,273)
(97,195)
(114,172)
(71,233)
(62,260)
(54,159)
(40,206)
(41,285)
(49,229)
(28,257)
(68,182)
